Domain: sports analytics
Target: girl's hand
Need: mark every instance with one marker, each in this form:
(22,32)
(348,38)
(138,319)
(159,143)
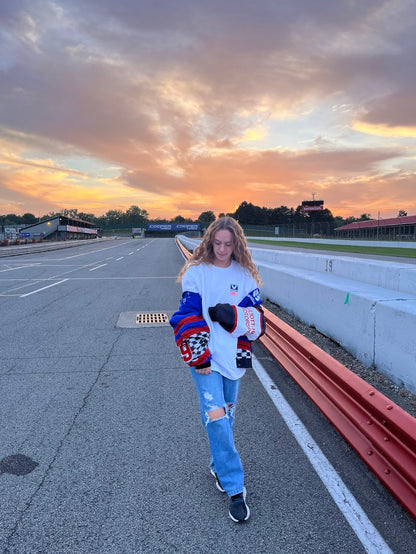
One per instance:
(203,370)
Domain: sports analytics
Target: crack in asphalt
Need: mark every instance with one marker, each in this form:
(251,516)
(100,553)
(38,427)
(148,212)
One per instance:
(29,502)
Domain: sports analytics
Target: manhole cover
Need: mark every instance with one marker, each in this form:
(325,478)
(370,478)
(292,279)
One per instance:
(151,318)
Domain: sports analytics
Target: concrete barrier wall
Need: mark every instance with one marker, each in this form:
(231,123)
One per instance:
(395,276)
(376,325)
(394,341)
(367,306)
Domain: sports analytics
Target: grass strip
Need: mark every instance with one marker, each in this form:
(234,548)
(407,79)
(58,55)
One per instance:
(376,250)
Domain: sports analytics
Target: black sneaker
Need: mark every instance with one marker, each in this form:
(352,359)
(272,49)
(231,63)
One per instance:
(217,481)
(239,511)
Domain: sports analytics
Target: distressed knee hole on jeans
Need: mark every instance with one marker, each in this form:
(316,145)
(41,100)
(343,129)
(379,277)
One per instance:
(216,414)
(230,409)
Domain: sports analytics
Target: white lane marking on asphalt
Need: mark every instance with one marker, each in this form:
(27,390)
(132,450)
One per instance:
(173,277)
(121,257)
(367,534)
(98,267)
(130,253)
(94,251)
(19,267)
(26,283)
(43,288)
(145,245)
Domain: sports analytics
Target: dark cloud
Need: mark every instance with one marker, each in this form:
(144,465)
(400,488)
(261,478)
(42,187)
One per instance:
(393,110)
(238,52)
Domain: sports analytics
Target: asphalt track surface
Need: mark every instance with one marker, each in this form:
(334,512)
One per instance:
(101,445)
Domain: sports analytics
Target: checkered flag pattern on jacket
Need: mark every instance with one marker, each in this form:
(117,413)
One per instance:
(198,345)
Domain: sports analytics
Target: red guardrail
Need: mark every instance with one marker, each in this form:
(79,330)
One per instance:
(382,433)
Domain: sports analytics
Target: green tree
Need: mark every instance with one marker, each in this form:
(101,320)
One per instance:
(29,219)
(12,219)
(299,216)
(338,221)
(181,219)
(206,217)
(50,215)
(70,212)
(280,216)
(249,214)
(135,216)
(114,217)
(245,214)
(87,217)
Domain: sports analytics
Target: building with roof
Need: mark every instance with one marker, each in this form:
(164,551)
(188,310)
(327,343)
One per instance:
(395,228)
(60,228)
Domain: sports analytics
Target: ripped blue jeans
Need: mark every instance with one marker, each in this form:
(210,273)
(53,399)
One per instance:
(215,391)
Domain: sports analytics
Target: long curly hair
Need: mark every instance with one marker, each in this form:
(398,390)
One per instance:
(204,253)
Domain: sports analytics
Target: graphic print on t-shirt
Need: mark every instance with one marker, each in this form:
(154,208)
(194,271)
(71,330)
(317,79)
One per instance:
(233,290)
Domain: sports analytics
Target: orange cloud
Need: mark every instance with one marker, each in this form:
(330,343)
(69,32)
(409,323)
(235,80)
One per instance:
(381,130)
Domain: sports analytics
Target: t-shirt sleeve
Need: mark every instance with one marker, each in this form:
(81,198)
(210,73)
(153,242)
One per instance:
(190,281)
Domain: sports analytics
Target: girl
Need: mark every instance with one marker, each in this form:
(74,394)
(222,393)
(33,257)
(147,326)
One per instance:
(218,316)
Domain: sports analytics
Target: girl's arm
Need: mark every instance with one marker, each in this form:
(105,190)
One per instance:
(191,331)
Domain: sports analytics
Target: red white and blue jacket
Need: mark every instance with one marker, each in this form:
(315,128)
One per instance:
(192,332)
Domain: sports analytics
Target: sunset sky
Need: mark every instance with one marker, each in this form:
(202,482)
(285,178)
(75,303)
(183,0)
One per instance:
(183,106)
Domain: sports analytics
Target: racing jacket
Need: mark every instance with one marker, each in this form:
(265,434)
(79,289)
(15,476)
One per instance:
(246,322)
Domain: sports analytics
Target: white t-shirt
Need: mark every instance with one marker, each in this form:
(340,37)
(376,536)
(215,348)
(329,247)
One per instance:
(220,285)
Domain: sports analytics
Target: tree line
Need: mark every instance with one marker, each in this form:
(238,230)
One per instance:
(246,213)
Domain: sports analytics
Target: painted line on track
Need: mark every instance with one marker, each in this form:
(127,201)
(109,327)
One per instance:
(43,288)
(367,534)
(19,267)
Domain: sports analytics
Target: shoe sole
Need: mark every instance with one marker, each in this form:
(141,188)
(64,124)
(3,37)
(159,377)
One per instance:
(216,481)
(248,510)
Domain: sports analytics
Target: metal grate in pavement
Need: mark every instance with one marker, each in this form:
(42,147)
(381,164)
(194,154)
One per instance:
(140,320)
(146,318)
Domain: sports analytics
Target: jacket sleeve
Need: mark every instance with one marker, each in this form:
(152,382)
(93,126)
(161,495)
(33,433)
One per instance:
(253,300)
(191,331)
(245,320)
(248,321)
(244,357)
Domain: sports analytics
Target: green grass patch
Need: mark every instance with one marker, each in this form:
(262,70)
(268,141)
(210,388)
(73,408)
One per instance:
(376,250)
